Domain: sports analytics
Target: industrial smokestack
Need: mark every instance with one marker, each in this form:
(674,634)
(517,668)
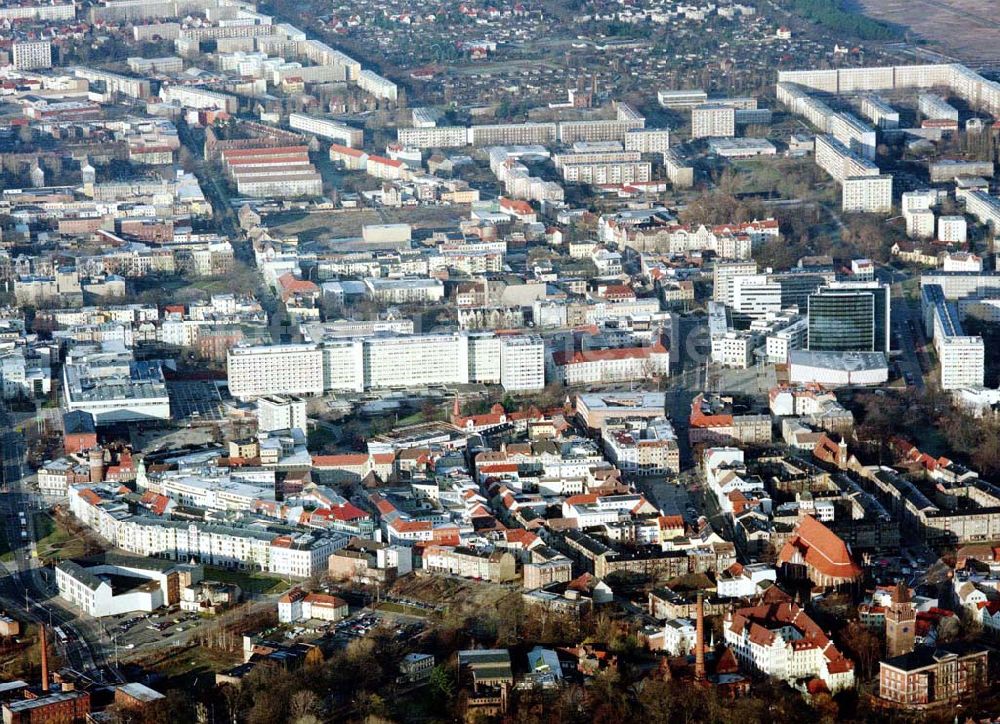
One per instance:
(45,660)
(699,652)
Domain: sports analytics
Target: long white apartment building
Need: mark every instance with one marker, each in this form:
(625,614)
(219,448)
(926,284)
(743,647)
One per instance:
(616,130)
(648,140)
(961,357)
(39,11)
(387,361)
(287,369)
(839,161)
(961,81)
(985,208)
(372,83)
(863,187)
(115,83)
(433,137)
(416,360)
(798,100)
(876,110)
(949,169)
(297,554)
(514,134)
(854,133)
(935,107)
(622,172)
(342,133)
(200,98)
(560,160)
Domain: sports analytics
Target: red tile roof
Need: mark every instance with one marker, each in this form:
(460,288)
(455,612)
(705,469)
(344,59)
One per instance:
(339,461)
(563,358)
(821,549)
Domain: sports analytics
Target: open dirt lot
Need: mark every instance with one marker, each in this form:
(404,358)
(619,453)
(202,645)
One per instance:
(967,29)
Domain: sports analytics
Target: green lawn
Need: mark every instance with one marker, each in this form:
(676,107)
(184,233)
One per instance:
(55,541)
(249,582)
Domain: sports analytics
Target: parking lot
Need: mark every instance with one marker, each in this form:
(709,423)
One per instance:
(195,401)
(358,625)
(137,630)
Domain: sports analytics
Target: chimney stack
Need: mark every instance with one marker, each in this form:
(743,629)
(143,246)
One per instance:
(95,459)
(45,659)
(699,651)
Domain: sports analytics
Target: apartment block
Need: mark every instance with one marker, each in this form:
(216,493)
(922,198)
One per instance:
(327,128)
(371,82)
(854,133)
(839,161)
(723,279)
(648,140)
(713,120)
(290,369)
(681,99)
(32,55)
(934,107)
(952,229)
(434,137)
(876,110)
(679,171)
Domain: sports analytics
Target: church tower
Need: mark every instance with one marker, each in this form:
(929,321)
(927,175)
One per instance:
(900,622)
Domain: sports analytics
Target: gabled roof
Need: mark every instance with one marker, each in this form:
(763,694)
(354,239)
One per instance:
(821,549)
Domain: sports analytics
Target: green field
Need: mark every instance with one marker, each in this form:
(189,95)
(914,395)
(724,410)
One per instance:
(254,583)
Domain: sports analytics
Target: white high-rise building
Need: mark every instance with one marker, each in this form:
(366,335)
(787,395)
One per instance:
(755,296)
(854,133)
(284,369)
(724,276)
(276,412)
(713,120)
(327,128)
(409,361)
(867,194)
(952,229)
(919,224)
(343,365)
(31,55)
(962,361)
(522,363)
(484,358)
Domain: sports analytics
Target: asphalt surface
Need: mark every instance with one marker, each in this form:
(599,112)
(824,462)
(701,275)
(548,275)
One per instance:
(27,590)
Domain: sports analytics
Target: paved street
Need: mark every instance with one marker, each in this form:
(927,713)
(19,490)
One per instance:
(27,590)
